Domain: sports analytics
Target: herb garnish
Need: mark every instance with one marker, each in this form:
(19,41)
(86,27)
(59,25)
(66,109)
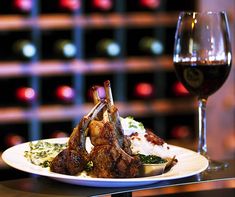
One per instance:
(41,153)
(151,159)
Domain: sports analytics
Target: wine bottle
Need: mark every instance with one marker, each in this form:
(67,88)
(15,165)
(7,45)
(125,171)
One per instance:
(65,49)
(58,44)
(140,86)
(99,6)
(25,94)
(151,4)
(180,132)
(13,133)
(180,125)
(108,47)
(16,92)
(144,90)
(103,5)
(70,5)
(24,49)
(24,6)
(57,90)
(145,41)
(17,46)
(13,139)
(16,7)
(65,93)
(101,43)
(59,134)
(151,45)
(56,129)
(144,5)
(59,6)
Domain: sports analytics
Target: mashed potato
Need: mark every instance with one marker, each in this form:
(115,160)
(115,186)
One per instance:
(140,143)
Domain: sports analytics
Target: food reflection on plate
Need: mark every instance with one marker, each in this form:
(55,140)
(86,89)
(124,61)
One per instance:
(104,145)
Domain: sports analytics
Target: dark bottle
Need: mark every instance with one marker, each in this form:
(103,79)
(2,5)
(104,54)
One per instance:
(174,88)
(108,47)
(25,6)
(16,7)
(151,46)
(16,92)
(26,94)
(180,132)
(58,44)
(151,4)
(65,49)
(99,6)
(101,43)
(24,49)
(13,133)
(145,42)
(181,125)
(56,129)
(144,5)
(57,90)
(65,93)
(144,90)
(70,5)
(59,6)
(13,139)
(17,46)
(141,86)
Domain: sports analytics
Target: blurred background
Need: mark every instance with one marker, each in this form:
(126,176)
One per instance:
(52,52)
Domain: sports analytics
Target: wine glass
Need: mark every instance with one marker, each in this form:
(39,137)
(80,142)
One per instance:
(202,60)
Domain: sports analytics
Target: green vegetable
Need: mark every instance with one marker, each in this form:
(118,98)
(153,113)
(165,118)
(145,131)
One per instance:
(89,166)
(41,153)
(151,159)
(134,124)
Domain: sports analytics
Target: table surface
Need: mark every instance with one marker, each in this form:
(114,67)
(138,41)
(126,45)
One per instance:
(39,186)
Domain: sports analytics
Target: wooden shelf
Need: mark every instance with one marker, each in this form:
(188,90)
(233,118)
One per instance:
(60,112)
(132,64)
(54,21)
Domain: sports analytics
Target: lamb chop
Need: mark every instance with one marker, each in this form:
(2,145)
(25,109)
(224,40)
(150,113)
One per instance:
(74,159)
(108,156)
(111,154)
(113,115)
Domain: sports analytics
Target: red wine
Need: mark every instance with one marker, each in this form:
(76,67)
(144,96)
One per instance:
(201,79)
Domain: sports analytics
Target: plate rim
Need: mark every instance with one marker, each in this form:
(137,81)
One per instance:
(79,180)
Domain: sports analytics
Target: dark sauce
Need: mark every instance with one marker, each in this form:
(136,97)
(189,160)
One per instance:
(201,79)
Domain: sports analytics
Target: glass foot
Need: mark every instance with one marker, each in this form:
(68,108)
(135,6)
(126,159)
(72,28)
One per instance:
(216,165)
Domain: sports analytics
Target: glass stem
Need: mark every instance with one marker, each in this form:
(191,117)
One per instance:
(202,145)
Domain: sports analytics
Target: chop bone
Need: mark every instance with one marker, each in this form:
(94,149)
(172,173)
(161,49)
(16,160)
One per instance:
(78,137)
(111,112)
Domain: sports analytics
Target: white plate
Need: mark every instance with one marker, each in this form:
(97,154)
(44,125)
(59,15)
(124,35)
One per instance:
(189,163)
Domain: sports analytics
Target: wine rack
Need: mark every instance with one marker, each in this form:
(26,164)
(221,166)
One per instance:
(54,51)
